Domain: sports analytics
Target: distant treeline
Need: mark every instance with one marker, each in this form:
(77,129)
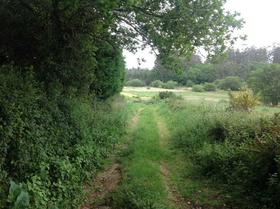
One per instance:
(255,68)
(233,63)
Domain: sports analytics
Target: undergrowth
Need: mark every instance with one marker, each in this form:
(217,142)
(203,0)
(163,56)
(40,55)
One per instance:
(236,152)
(50,144)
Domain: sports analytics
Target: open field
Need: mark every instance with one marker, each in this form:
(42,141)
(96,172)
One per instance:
(146,93)
(217,97)
(176,155)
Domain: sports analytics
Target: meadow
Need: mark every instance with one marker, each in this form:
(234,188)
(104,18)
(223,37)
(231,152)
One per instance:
(188,151)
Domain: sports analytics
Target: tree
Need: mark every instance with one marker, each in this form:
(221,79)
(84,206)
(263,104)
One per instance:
(202,73)
(61,38)
(232,83)
(266,82)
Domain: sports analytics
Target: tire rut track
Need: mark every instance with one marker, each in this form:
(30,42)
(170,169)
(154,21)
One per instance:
(106,181)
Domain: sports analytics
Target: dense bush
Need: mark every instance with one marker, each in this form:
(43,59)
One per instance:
(197,88)
(239,151)
(244,100)
(156,84)
(230,83)
(135,83)
(170,85)
(209,87)
(166,95)
(50,146)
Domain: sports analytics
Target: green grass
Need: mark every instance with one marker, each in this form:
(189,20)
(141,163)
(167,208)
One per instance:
(194,189)
(197,98)
(142,185)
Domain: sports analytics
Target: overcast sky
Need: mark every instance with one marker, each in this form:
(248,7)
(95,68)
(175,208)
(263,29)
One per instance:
(262,28)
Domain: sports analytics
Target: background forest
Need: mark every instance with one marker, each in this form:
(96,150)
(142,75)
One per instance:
(255,68)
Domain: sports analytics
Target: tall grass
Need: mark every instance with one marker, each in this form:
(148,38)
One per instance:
(237,151)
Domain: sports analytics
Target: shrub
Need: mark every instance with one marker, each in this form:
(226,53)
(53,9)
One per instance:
(209,87)
(135,83)
(189,83)
(50,145)
(197,88)
(157,84)
(170,85)
(230,83)
(166,95)
(244,100)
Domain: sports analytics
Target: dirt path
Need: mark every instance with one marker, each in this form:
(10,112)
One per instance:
(172,193)
(106,181)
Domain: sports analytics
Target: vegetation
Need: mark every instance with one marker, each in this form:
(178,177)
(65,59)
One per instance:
(61,70)
(170,85)
(142,185)
(244,100)
(238,153)
(230,83)
(209,87)
(135,83)
(197,88)
(50,145)
(266,82)
(166,95)
(157,84)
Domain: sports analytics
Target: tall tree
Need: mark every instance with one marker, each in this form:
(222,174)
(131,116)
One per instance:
(60,38)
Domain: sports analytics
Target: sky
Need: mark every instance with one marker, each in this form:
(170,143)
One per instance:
(261,26)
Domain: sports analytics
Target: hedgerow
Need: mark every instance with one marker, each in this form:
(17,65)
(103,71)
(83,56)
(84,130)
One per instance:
(50,146)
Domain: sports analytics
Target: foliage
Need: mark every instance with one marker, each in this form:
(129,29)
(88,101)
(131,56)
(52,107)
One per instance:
(232,83)
(157,84)
(209,87)
(202,73)
(18,198)
(237,151)
(244,100)
(166,95)
(189,83)
(74,33)
(266,82)
(109,74)
(50,145)
(135,83)
(60,56)
(170,85)
(197,88)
